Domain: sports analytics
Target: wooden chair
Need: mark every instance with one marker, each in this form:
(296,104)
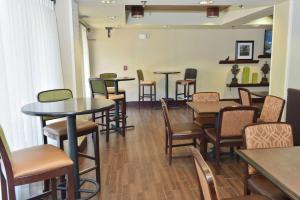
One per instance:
(99,89)
(190,78)
(231,121)
(33,165)
(246,99)
(111,84)
(179,131)
(262,136)
(58,130)
(272,109)
(146,83)
(205,120)
(207,182)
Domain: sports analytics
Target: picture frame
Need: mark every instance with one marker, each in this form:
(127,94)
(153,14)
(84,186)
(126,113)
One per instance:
(268,42)
(244,50)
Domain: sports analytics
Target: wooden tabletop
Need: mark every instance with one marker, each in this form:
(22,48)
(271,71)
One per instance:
(166,72)
(279,165)
(262,94)
(210,107)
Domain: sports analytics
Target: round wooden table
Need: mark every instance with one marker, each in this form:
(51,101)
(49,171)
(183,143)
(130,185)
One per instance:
(71,108)
(166,73)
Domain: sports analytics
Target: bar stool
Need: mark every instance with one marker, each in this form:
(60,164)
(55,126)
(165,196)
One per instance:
(31,165)
(99,89)
(146,83)
(58,130)
(190,77)
(110,84)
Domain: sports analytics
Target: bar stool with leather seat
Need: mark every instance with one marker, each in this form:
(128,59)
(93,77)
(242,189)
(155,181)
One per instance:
(190,77)
(207,183)
(31,165)
(99,90)
(110,84)
(146,83)
(58,130)
(179,131)
(272,109)
(231,121)
(262,136)
(205,120)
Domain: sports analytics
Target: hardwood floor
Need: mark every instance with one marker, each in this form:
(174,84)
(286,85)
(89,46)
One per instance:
(136,167)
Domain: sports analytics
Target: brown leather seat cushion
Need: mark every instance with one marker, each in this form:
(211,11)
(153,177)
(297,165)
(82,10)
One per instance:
(111,90)
(184,82)
(116,96)
(147,82)
(249,197)
(60,128)
(186,129)
(212,134)
(37,160)
(259,184)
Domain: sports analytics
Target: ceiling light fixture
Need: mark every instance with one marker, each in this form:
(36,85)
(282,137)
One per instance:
(206,2)
(212,12)
(108,1)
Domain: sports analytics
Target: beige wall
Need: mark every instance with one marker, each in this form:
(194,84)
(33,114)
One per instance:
(172,50)
(279,49)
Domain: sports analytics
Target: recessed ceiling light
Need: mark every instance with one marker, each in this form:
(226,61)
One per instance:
(206,2)
(108,1)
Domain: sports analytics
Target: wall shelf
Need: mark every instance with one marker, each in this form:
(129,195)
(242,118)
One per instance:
(238,61)
(264,56)
(248,85)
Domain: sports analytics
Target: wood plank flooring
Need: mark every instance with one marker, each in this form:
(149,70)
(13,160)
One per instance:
(136,167)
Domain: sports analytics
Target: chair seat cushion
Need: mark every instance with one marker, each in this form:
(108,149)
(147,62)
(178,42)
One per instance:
(211,133)
(186,129)
(258,184)
(185,82)
(147,82)
(250,197)
(111,90)
(37,160)
(116,96)
(60,128)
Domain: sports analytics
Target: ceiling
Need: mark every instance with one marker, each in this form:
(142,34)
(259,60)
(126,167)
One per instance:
(178,14)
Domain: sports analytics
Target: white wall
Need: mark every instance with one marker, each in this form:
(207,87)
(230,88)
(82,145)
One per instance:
(172,50)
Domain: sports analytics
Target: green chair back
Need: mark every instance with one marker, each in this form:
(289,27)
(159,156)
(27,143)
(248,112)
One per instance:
(140,75)
(53,96)
(98,86)
(4,144)
(109,75)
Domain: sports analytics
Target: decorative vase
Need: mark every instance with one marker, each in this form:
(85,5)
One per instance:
(265,70)
(234,70)
(246,74)
(254,78)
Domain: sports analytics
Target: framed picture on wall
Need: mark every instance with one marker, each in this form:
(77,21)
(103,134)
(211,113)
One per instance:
(268,43)
(244,50)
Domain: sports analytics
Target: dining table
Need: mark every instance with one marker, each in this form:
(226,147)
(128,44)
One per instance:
(167,73)
(280,165)
(261,94)
(70,109)
(116,89)
(210,107)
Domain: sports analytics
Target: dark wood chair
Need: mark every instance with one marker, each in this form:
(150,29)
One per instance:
(205,120)
(228,133)
(207,182)
(179,131)
(190,78)
(262,136)
(272,109)
(246,99)
(111,84)
(146,83)
(58,130)
(44,162)
(99,90)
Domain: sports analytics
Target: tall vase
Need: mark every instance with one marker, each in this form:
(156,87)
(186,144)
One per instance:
(246,75)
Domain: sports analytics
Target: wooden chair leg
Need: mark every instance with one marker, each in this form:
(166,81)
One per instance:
(3,186)
(151,99)
(176,91)
(194,87)
(139,96)
(184,91)
(167,142)
(60,143)
(155,92)
(53,189)
(97,157)
(143,93)
(11,193)
(46,182)
(123,117)
(71,190)
(188,92)
(107,125)
(170,150)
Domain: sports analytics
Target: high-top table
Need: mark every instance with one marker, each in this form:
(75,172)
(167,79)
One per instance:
(71,108)
(166,73)
(116,85)
(280,165)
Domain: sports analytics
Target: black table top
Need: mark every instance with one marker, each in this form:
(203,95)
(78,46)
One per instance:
(70,107)
(119,79)
(166,72)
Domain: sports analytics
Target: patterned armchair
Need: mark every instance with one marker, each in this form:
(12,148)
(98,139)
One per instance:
(262,136)
(272,109)
(203,97)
